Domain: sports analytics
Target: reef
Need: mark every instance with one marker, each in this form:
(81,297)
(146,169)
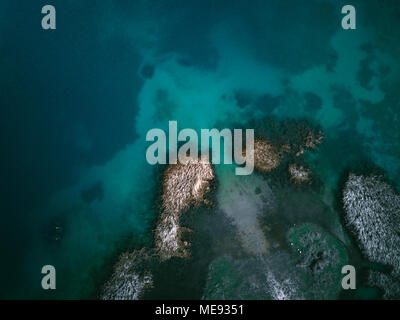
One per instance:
(310,270)
(129,279)
(226,282)
(183,186)
(277,141)
(295,136)
(311,141)
(299,174)
(265,156)
(372,213)
(279,147)
(320,255)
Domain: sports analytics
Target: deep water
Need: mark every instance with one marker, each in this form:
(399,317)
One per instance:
(76,104)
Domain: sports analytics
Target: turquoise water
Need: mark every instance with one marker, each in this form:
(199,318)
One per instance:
(77,104)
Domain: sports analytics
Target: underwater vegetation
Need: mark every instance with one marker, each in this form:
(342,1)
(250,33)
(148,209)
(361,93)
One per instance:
(311,269)
(320,254)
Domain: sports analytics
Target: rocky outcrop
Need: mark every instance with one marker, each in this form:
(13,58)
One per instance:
(299,174)
(266,157)
(129,280)
(372,212)
(183,186)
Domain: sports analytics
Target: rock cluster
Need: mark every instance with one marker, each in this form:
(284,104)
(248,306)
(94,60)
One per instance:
(266,157)
(299,174)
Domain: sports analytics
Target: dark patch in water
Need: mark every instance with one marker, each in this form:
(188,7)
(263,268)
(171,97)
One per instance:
(284,46)
(243,99)
(344,100)
(366,74)
(267,103)
(95,192)
(147,71)
(185,62)
(313,102)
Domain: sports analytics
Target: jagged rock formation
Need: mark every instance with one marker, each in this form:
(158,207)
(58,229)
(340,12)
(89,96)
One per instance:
(265,157)
(128,281)
(282,142)
(299,174)
(372,210)
(312,140)
(183,186)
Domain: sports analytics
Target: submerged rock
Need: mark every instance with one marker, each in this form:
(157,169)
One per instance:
(283,280)
(321,255)
(372,211)
(291,136)
(311,141)
(299,174)
(265,156)
(225,281)
(312,270)
(129,280)
(265,277)
(281,142)
(183,186)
